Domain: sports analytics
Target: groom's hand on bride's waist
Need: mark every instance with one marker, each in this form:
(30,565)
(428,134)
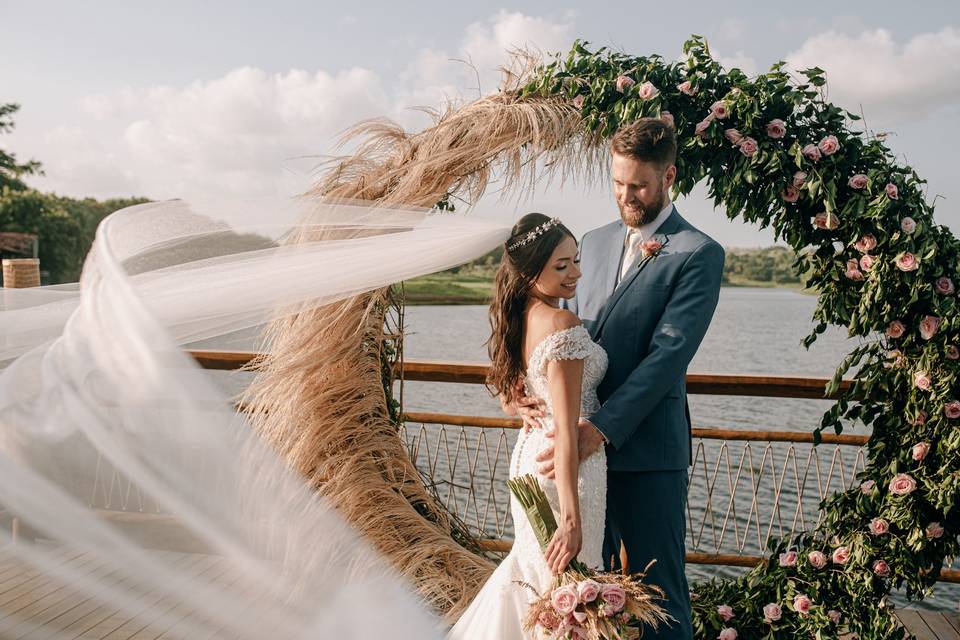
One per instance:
(530,410)
(589,441)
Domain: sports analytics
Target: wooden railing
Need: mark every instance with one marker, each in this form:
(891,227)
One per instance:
(431,444)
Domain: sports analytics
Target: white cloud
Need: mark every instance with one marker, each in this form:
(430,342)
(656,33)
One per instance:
(244,132)
(892,81)
(484,50)
(238,133)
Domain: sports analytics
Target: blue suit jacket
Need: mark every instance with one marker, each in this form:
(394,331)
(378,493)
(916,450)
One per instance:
(651,325)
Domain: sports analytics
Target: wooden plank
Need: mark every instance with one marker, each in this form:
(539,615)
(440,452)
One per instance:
(698,432)
(91,624)
(476,373)
(79,615)
(954,619)
(939,625)
(40,623)
(912,622)
(145,623)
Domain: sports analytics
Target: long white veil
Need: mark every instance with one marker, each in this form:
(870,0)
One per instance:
(95,388)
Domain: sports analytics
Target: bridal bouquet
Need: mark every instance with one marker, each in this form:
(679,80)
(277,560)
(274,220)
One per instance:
(584,604)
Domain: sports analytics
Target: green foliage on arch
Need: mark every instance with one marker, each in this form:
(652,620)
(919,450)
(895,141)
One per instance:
(773,151)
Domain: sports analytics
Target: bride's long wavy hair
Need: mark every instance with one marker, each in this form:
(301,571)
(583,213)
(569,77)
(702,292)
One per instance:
(518,271)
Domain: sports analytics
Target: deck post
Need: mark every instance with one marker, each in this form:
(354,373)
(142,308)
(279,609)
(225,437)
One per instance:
(19,273)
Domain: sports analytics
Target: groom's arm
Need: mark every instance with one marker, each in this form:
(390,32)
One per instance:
(675,341)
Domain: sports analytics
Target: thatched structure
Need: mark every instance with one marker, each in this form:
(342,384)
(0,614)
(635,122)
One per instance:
(336,429)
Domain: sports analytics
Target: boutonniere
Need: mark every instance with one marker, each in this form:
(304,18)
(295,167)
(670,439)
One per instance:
(650,248)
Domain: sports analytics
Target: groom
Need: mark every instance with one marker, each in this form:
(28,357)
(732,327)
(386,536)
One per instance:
(649,289)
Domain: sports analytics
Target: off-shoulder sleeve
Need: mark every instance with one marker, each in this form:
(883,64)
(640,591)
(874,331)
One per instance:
(566,344)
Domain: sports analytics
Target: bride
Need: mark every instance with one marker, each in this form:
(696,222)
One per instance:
(537,344)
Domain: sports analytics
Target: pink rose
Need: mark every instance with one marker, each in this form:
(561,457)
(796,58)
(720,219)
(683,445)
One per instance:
(788,559)
(818,560)
(648,91)
(802,604)
(726,612)
(799,178)
(921,418)
(834,616)
(580,616)
(841,555)
(686,88)
(729,633)
(952,409)
(624,83)
(866,262)
(891,191)
(929,327)
(907,262)
(667,117)
(902,484)
(588,590)
(829,145)
(944,286)
(824,221)
(854,274)
(953,353)
(934,530)
(908,225)
(748,147)
(578,102)
(879,526)
(811,152)
(776,128)
(857,181)
(771,612)
(881,568)
(719,110)
(922,380)
(650,248)
(866,243)
(614,595)
(702,126)
(867,487)
(920,451)
(564,599)
(548,620)
(733,135)
(790,193)
(895,329)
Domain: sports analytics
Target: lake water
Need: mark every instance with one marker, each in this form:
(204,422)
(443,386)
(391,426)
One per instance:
(754,332)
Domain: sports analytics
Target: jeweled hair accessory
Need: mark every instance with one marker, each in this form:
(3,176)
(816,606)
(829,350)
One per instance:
(534,233)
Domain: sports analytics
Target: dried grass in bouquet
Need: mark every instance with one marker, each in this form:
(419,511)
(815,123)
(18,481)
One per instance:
(584,604)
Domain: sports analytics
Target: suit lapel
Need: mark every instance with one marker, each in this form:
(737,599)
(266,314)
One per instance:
(662,235)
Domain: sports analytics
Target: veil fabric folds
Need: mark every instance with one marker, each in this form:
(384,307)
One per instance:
(215,536)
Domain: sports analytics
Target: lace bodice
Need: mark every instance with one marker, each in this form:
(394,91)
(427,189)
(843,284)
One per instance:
(568,344)
(499,608)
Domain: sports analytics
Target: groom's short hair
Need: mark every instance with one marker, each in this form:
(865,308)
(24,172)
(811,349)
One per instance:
(646,139)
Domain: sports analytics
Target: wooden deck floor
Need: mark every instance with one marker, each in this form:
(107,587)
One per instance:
(34,606)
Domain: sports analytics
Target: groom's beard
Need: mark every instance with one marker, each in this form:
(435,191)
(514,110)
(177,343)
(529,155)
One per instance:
(646,213)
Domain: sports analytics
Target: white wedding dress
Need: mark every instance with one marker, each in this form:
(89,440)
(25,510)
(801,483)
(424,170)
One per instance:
(498,611)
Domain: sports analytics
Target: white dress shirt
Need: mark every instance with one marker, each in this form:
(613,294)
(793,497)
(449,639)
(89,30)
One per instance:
(636,235)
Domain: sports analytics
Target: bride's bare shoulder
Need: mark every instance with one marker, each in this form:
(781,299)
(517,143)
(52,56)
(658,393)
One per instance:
(547,320)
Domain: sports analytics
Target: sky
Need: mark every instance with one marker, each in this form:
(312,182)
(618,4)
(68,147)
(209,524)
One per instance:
(240,99)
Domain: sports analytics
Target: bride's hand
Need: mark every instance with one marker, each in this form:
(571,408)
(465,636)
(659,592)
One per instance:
(563,547)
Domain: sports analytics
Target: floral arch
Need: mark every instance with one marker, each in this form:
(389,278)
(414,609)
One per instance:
(772,151)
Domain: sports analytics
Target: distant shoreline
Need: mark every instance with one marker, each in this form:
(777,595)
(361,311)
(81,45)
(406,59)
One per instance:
(420,296)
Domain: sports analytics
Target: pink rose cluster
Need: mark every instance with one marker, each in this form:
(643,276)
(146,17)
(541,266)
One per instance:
(567,615)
